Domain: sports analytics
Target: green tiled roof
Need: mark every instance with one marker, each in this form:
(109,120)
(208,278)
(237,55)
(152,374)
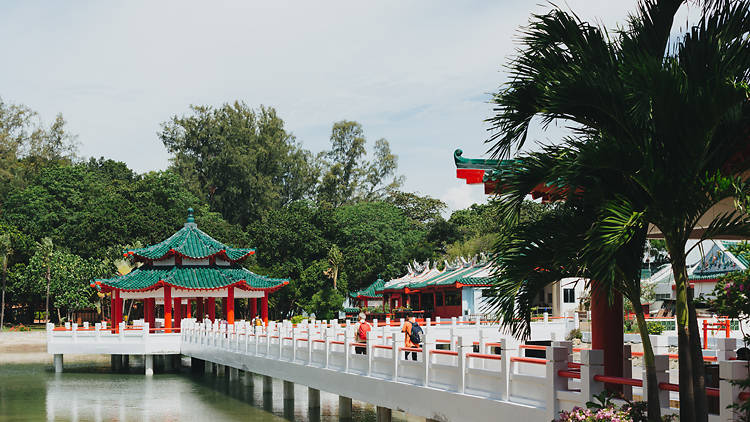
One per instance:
(191,242)
(476,163)
(149,277)
(475,281)
(446,278)
(370,292)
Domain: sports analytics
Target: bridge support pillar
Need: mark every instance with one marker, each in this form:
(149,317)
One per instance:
(197,366)
(115,362)
(208,368)
(383,414)
(58,363)
(234,374)
(267,384)
(248,379)
(345,408)
(288,390)
(125,362)
(221,370)
(148,363)
(313,398)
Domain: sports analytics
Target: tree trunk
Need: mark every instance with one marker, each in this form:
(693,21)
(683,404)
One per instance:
(654,407)
(699,367)
(687,391)
(2,304)
(46,305)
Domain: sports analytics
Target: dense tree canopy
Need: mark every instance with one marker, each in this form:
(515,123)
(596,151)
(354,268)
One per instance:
(312,219)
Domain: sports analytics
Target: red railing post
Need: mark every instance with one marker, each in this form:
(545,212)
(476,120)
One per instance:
(705,334)
(727,324)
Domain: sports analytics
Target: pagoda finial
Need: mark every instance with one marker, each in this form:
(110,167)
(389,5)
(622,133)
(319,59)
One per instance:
(190,218)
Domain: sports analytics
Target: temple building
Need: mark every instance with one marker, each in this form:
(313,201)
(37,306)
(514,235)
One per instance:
(189,268)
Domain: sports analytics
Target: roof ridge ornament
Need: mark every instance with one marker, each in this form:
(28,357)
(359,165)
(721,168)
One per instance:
(190,216)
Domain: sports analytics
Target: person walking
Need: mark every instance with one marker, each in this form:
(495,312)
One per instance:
(363,327)
(413,336)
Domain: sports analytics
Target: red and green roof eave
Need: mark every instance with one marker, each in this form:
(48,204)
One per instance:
(488,172)
(370,292)
(190,242)
(189,278)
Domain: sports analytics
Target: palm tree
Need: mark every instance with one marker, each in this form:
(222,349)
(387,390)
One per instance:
(6,250)
(46,248)
(336,261)
(670,118)
(566,241)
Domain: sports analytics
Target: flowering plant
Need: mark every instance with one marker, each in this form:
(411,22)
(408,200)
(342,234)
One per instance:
(731,295)
(604,414)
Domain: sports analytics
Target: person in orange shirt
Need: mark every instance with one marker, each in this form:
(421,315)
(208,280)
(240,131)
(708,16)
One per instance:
(413,335)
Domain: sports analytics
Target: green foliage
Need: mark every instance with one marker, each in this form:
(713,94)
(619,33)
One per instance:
(731,295)
(373,237)
(242,161)
(654,328)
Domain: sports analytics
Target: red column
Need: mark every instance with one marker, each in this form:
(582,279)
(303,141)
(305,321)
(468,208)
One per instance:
(224,309)
(199,309)
(364,303)
(188,308)
(168,308)
(607,331)
(230,305)
(264,308)
(253,307)
(152,312)
(177,312)
(112,310)
(212,309)
(118,310)
(145,310)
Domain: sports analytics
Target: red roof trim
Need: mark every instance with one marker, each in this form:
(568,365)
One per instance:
(242,284)
(222,253)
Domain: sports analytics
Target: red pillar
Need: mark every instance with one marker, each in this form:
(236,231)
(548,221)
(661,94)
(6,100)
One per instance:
(230,305)
(264,308)
(177,312)
(118,310)
(607,331)
(168,308)
(224,309)
(112,310)
(199,309)
(253,307)
(152,312)
(364,303)
(188,308)
(212,309)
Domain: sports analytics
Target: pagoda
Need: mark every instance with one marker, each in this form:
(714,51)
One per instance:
(188,267)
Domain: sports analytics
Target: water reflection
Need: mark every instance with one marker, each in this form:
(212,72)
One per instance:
(86,392)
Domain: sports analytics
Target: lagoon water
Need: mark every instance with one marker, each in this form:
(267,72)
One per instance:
(91,392)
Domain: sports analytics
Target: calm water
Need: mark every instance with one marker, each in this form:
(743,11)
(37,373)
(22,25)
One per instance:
(90,392)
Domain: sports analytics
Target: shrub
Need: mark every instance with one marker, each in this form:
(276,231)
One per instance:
(297,319)
(654,328)
(574,333)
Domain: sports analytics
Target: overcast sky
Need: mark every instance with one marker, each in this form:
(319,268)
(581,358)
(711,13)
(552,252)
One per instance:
(418,73)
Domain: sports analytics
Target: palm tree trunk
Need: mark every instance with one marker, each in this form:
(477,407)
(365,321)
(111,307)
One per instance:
(654,407)
(687,391)
(699,368)
(46,305)
(2,305)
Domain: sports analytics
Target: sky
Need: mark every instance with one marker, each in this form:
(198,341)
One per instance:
(419,73)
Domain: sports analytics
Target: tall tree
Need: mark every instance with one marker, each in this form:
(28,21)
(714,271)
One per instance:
(46,250)
(243,161)
(347,176)
(335,260)
(6,250)
(669,118)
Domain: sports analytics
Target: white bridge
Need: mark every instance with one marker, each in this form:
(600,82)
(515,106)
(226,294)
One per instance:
(462,372)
